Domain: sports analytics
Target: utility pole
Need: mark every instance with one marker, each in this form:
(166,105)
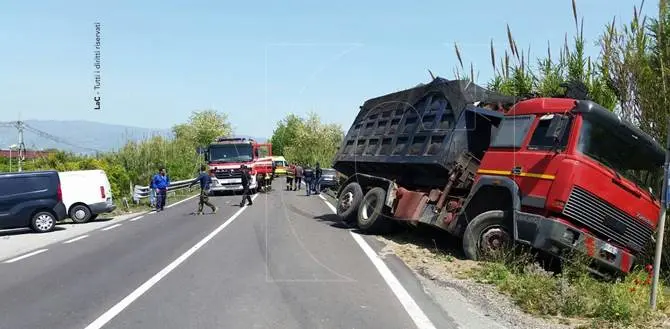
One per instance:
(664,190)
(22,146)
(661,222)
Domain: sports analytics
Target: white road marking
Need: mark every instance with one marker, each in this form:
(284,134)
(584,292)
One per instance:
(178,202)
(76,239)
(321,196)
(25,256)
(136,218)
(111,227)
(120,306)
(420,319)
(332,208)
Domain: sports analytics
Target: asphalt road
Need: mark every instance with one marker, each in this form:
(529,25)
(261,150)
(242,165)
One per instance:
(282,263)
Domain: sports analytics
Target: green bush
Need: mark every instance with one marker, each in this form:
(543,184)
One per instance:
(576,294)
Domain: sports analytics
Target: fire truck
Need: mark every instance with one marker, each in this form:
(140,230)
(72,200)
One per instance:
(225,155)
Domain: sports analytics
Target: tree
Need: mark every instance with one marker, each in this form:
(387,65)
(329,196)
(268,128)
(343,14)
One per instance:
(307,140)
(285,133)
(635,63)
(203,127)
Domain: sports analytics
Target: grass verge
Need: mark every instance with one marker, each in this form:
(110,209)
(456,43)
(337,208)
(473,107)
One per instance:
(574,298)
(576,294)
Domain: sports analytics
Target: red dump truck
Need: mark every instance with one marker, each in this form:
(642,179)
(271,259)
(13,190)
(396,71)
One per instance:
(557,174)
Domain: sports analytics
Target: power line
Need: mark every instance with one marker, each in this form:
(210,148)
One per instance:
(55,138)
(20,126)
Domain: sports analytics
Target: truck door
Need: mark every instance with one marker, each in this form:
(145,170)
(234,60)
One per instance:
(264,150)
(523,152)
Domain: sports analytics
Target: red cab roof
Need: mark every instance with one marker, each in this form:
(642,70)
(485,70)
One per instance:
(542,105)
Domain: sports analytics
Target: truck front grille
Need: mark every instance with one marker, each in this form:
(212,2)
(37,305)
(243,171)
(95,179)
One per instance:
(604,219)
(228,173)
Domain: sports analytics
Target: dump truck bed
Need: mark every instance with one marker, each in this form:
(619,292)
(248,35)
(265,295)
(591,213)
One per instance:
(416,135)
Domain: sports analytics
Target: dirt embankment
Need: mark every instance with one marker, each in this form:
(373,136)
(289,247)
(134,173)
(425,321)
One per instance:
(445,266)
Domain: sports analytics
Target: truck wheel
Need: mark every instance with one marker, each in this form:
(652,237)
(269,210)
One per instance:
(370,212)
(486,235)
(42,222)
(80,214)
(348,202)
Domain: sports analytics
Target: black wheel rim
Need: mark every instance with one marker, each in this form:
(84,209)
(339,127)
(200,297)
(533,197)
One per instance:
(494,240)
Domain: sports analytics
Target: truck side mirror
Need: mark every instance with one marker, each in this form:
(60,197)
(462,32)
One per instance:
(557,127)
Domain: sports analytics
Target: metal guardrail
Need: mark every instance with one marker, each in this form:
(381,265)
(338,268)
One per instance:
(142,192)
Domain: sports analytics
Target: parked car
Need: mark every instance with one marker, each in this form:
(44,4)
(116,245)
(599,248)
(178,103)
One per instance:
(86,194)
(329,179)
(31,199)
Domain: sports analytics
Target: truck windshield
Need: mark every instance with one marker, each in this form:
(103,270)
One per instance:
(230,153)
(621,152)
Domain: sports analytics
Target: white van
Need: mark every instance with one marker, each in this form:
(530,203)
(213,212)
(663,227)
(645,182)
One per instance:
(86,194)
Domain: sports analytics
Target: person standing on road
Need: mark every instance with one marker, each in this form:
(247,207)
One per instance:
(308,175)
(298,177)
(152,193)
(317,181)
(290,174)
(246,178)
(205,180)
(161,183)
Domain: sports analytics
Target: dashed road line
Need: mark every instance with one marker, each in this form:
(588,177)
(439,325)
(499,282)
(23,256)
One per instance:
(16,259)
(111,227)
(76,239)
(137,293)
(417,315)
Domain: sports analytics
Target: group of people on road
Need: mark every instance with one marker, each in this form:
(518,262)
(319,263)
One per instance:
(298,173)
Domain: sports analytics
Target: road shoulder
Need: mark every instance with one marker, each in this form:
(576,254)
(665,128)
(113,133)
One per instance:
(439,304)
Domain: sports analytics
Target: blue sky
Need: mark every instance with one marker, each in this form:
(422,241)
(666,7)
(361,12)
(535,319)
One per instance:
(257,62)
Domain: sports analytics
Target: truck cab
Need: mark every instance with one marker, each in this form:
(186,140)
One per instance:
(579,178)
(225,156)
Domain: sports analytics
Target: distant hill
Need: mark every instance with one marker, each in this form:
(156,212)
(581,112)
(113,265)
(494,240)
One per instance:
(84,135)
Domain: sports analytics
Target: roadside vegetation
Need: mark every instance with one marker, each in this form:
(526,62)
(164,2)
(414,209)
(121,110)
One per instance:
(306,139)
(136,162)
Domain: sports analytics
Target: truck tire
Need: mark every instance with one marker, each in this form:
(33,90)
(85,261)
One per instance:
(80,214)
(348,202)
(489,231)
(370,212)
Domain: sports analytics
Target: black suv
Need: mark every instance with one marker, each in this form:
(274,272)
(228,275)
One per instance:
(31,199)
